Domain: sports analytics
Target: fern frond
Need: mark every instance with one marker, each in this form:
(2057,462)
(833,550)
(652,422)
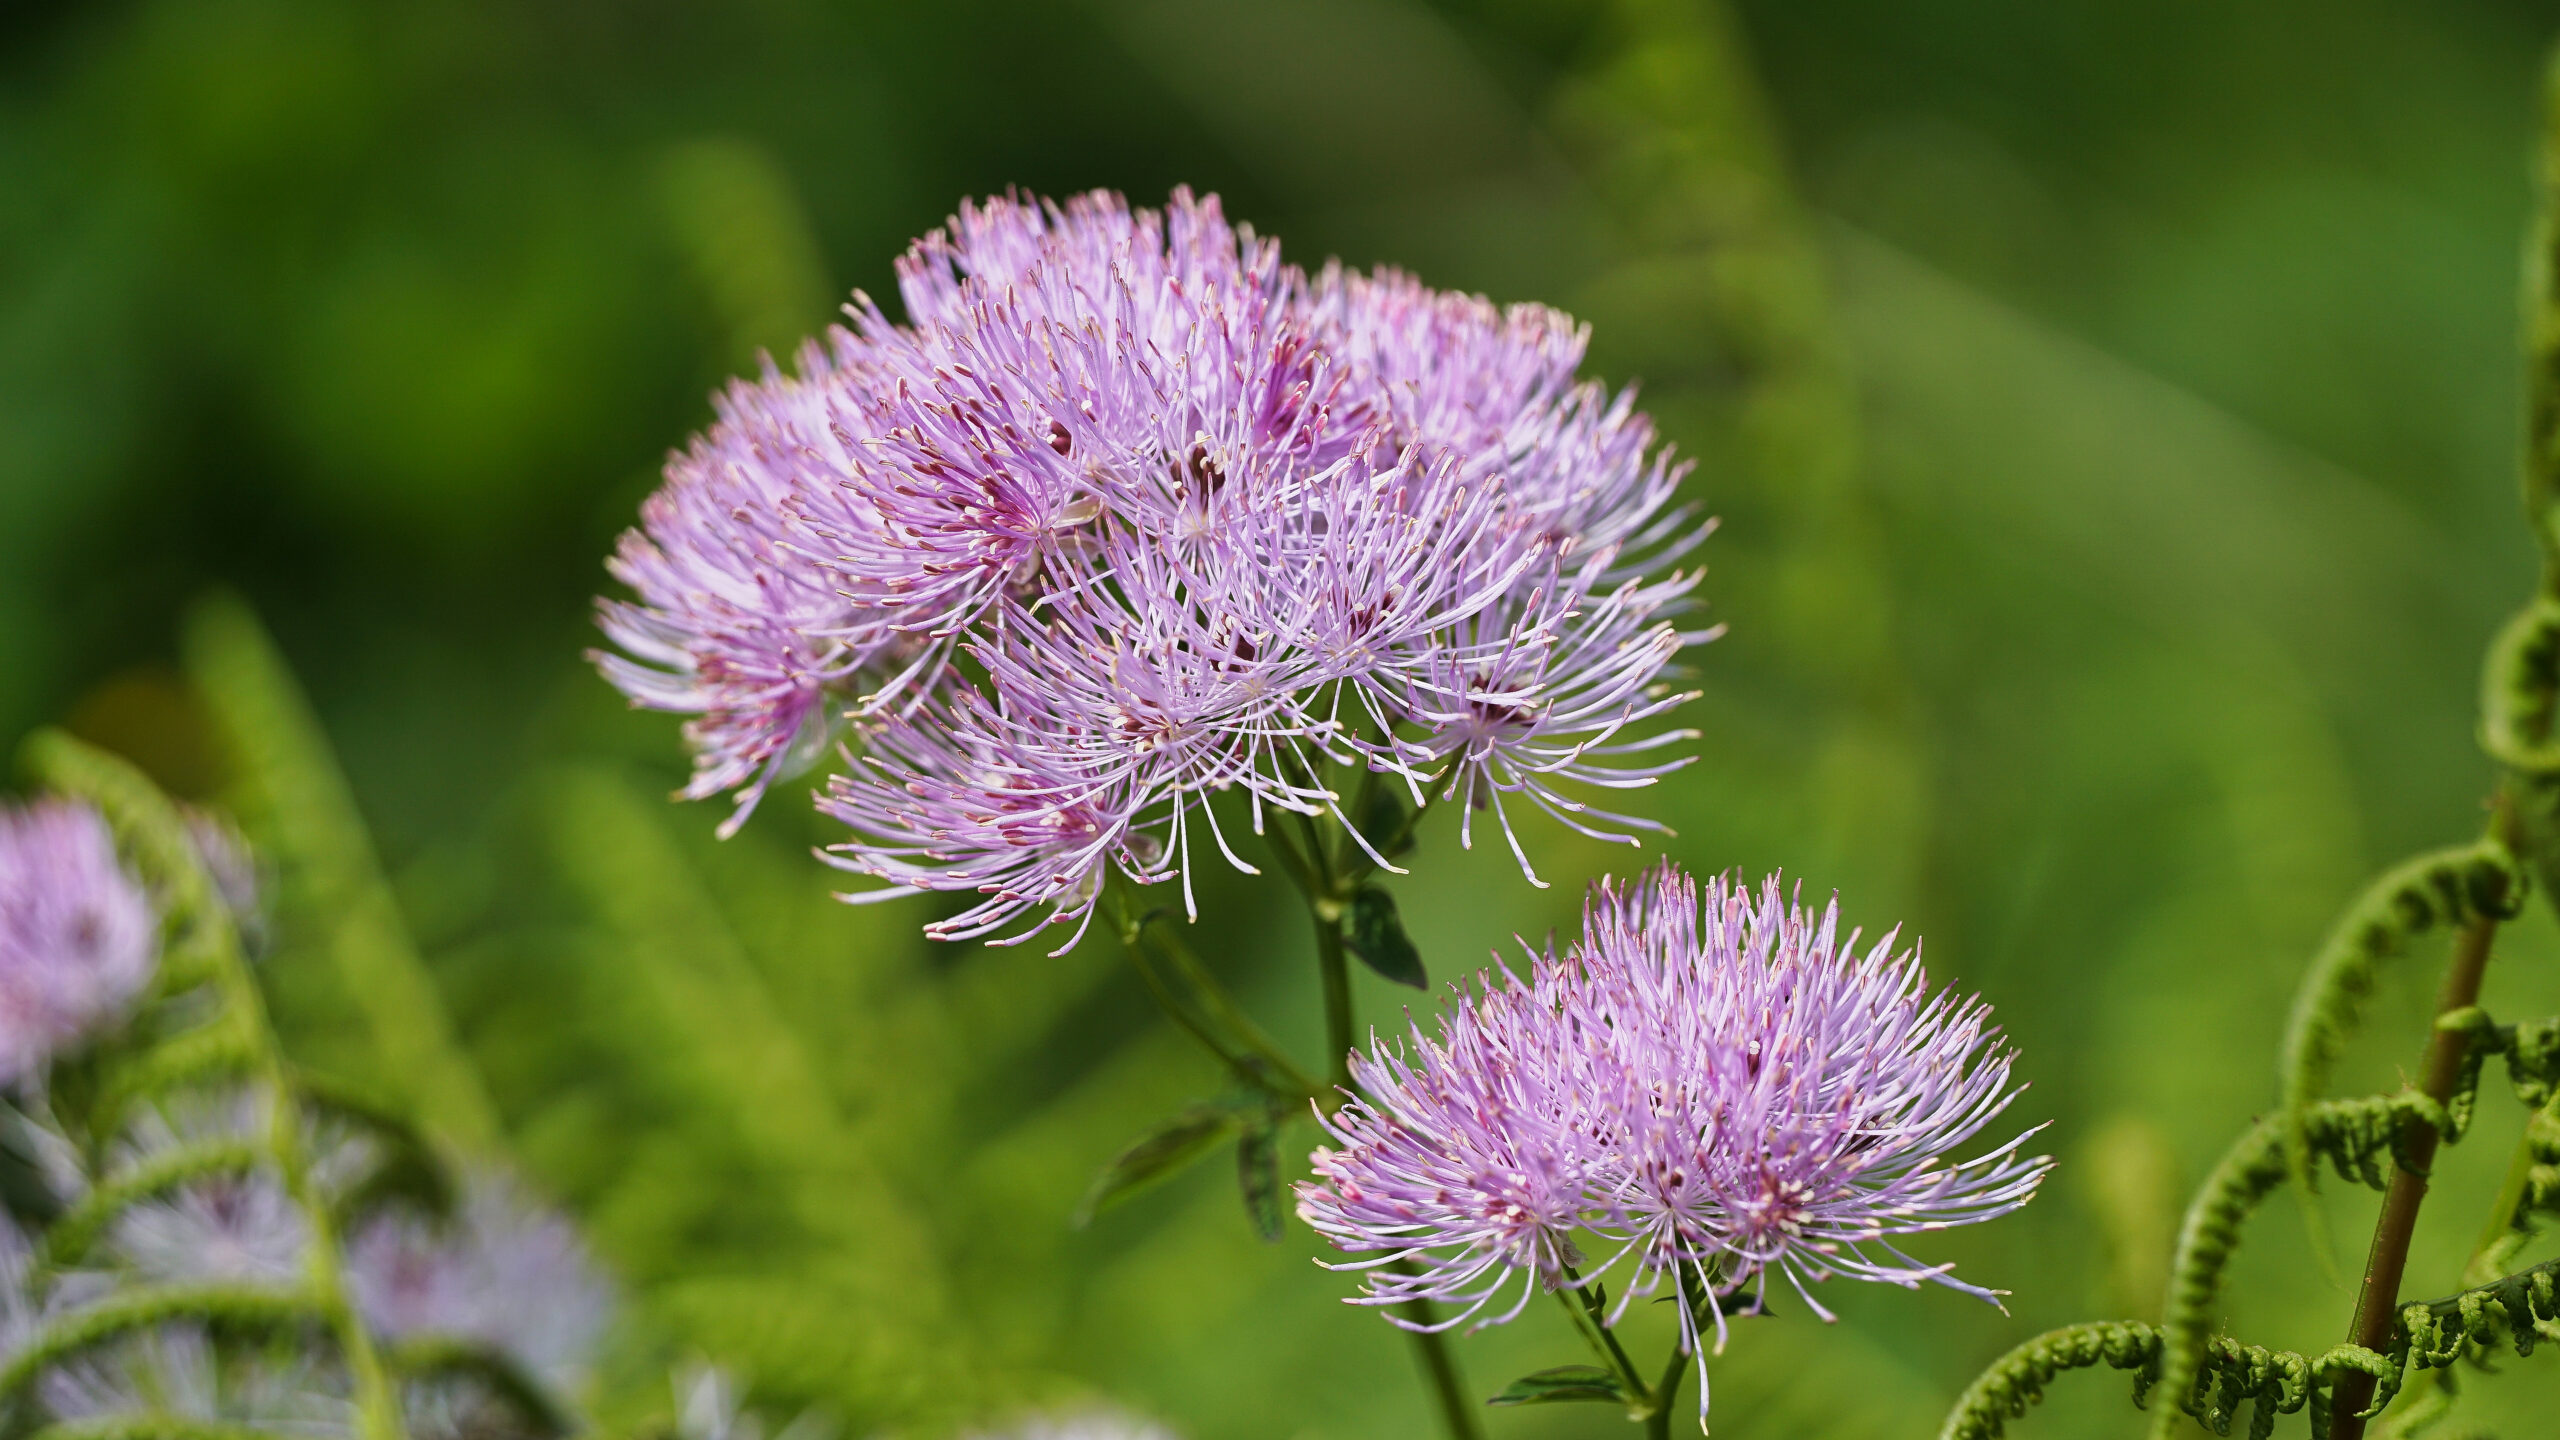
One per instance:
(161,1426)
(2520,690)
(2228,1373)
(2233,1372)
(2518,1307)
(2443,889)
(2354,1136)
(429,1357)
(234,1307)
(2016,1381)
(236,1040)
(69,1237)
(302,813)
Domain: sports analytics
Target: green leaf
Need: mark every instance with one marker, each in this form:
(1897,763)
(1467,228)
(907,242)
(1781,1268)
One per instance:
(1158,1155)
(1564,1382)
(1386,818)
(1258,1176)
(1377,937)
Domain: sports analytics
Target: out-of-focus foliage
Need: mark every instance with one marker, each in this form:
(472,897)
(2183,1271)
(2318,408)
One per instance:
(2112,409)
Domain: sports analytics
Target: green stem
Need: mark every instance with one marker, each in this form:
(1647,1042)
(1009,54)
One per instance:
(1334,969)
(1666,1394)
(1209,1013)
(1316,878)
(1440,1367)
(1356,864)
(1314,873)
(1301,873)
(1582,1306)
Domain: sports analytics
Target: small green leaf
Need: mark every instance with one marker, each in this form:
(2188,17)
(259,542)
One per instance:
(1258,1176)
(1157,1155)
(1377,937)
(1386,820)
(1564,1382)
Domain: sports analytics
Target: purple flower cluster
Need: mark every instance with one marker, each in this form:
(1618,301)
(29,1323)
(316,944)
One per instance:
(1710,1087)
(78,938)
(1131,514)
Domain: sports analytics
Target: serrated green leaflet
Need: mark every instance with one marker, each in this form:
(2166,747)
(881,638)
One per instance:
(1562,1383)
(1158,1155)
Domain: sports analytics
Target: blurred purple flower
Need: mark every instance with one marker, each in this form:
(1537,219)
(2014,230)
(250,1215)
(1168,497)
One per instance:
(236,1228)
(78,938)
(501,1273)
(1708,1086)
(1130,515)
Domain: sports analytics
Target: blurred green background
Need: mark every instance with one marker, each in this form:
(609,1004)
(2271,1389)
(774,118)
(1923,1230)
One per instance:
(2112,408)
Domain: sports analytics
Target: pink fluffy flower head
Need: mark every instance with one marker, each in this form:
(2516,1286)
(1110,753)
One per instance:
(1712,1087)
(1128,516)
(78,938)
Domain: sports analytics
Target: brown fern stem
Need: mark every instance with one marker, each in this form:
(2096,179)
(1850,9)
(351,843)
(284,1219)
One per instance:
(2378,1299)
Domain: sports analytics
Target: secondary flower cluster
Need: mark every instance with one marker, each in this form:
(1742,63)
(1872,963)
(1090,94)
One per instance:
(1708,1086)
(1129,514)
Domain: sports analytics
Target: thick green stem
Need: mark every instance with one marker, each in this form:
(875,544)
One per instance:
(1318,881)
(1666,1394)
(1205,1009)
(1440,1367)
(1317,877)
(1333,967)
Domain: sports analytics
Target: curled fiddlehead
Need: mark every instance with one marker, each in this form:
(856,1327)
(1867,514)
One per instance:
(2228,1374)
(2356,1137)
(2443,889)
(2016,1381)
(2212,1375)
(2522,1308)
